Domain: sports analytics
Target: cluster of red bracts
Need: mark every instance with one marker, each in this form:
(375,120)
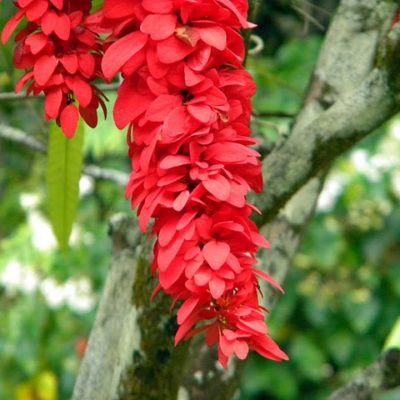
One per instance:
(186,100)
(62,55)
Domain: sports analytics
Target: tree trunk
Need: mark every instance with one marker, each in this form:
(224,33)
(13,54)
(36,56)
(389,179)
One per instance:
(354,89)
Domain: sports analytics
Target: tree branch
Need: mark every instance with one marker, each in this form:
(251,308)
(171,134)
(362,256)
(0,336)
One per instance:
(382,375)
(11,96)
(18,136)
(355,114)
(273,114)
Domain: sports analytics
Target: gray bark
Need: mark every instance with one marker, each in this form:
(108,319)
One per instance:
(382,375)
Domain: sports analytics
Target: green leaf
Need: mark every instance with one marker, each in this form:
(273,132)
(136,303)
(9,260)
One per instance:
(393,340)
(64,166)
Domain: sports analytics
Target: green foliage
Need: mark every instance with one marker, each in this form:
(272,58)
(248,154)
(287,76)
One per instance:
(342,294)
(106,140)
(64,166)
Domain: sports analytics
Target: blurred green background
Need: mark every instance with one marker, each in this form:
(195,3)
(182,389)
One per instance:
(342,293)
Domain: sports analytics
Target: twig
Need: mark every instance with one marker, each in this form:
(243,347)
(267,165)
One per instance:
(119,177)
(308,18)
(322,10)
(259,45)
(18,136)
(273,114)
(11,96)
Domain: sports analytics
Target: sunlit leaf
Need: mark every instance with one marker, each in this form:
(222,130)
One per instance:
(393,340)
(63,172)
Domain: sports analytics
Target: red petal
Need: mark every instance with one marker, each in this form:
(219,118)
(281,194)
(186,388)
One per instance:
(268,279)
(255,325)
(201,112)
(156,68)
(259,240)
(185,327)
(172,50)
(218,187)
(166,234)
(174,161)
(119,8)
(24,3)
(44,68)
(176,123)
(234,263)
(212,34)
(192,78)
(216,253)
(36,42)
(22,82)
(158,26)
(202,277)
(172,274)
(69,120)
(181,200)
(185,219)
(167,254)
(53,103)
(49,22)
(241,349)
(217,287)
(36,9)
(57,4)
(87,64)
(63,27)
(222,358)
(226,345)
(158,6)
(269,349)
(89,114)
(121,51)
(70,63)
(161,107)
(228,4)
(199,59)
(11,26)
(186,309)
(82,90)
(129,104)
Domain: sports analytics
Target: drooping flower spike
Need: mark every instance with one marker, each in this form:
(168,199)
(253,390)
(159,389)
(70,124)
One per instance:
(186,100)
(61,53)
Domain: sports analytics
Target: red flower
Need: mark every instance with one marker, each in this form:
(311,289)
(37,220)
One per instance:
(396,19)
(61,54)
(170,32)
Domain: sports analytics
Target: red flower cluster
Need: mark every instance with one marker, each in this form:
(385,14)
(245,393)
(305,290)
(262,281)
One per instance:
(61,54)
(187,101)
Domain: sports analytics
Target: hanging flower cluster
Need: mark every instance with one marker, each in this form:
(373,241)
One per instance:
(62,55)
(186,100)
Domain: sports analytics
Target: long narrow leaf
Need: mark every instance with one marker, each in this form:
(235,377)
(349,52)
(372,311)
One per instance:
(64,165)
